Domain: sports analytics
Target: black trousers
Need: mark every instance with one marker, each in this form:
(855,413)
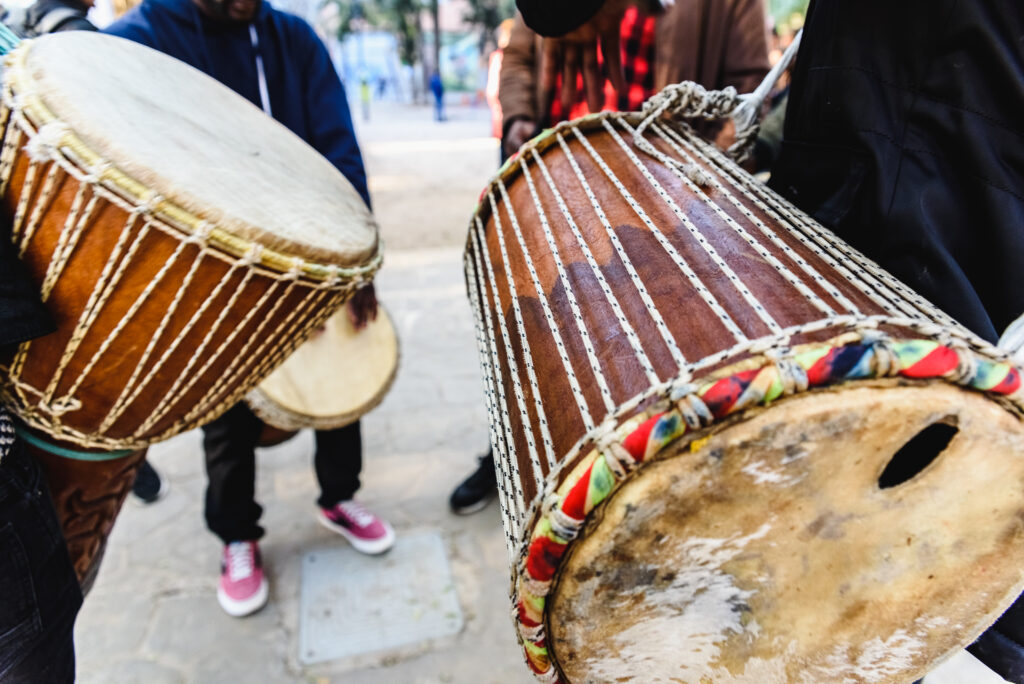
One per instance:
(230,444)
(39,593)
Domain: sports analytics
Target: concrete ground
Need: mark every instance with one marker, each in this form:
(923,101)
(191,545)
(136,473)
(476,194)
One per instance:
(153,616)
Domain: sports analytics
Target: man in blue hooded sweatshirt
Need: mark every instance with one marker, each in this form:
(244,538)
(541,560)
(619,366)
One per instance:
(276,61)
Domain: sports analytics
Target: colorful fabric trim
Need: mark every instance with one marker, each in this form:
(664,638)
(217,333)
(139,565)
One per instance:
(640,438)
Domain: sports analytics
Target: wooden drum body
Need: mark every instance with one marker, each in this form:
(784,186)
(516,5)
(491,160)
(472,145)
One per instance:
(184,242)
(731,448)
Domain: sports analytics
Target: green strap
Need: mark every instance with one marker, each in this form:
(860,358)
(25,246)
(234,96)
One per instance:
(69,453)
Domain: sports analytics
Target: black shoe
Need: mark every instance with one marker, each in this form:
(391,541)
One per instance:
(477,489)
(149,486)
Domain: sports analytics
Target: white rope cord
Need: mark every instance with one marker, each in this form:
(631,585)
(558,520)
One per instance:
(814,242)
(908,301)
(69,239)
(8,146)
(509,526)
(531,372)
(502,449)
(577,313)
(121,324)
(128,394)
(691,276)
(98,297)
(759,247)
(42,204)
(737,282)
(510,358)
(511,463)
(171,397)
(10,153)
(588,346)
(563,354)
(232,375)
(631,335)
(638,283)
(27,188)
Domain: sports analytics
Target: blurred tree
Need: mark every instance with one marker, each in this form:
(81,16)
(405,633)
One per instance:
(486,15)
(782,11)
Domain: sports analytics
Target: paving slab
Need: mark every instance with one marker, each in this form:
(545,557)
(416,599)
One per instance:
(353,605)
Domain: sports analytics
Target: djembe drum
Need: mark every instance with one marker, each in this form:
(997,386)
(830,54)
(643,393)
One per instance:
(731,448)
(184,242)
(331,380)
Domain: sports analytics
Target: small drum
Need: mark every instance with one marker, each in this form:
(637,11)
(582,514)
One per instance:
(731,448)
(332,379)
(184,241)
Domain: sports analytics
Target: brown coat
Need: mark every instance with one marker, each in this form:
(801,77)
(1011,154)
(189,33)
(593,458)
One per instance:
(716,43)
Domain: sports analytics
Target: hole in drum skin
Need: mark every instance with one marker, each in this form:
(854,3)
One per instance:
(919,452)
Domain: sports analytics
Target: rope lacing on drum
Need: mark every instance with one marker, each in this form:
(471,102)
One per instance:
(149,202)
(691,407)
(201,234)
(618,458)
(252,255)
(96,173)
(294,272)
(562,525)
(62,406)
(45,145)
(884,359)
(792,375)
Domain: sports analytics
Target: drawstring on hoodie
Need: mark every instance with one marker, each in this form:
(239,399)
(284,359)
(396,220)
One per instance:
(260,74)
(254,38)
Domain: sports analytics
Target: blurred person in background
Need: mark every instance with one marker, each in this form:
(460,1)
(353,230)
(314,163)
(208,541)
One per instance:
(276,61)
(503,34)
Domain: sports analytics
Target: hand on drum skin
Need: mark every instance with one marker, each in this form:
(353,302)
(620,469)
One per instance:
(577,51)
(362,308)
(519,131)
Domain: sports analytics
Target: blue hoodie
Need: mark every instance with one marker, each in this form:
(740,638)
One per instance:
(305,92)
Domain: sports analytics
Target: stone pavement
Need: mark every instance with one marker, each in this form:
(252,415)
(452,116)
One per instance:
(153,616)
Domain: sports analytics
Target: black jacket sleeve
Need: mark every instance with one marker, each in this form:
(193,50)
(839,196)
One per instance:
(557,17)
(22,315)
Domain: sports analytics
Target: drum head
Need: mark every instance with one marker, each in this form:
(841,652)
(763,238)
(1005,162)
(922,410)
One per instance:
(240,169)
(783,549)
(331,379)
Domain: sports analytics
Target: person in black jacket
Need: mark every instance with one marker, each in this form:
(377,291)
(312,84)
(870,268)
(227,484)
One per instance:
(904,136)
(38,586)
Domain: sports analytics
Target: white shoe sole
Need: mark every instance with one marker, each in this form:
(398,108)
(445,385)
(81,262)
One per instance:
(248,606)
(371,548)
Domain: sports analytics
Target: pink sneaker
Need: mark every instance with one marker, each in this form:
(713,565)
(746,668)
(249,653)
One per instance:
(243,587)
(365,531)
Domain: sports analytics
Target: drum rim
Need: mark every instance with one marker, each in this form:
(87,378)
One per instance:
(19,99)
(549,531)
(282,418)
(692,443)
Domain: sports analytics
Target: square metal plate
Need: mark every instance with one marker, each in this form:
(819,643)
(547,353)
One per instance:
(353,604)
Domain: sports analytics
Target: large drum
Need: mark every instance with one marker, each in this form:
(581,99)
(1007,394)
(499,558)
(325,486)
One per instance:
(731,448)
(332,379)
(184,241)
